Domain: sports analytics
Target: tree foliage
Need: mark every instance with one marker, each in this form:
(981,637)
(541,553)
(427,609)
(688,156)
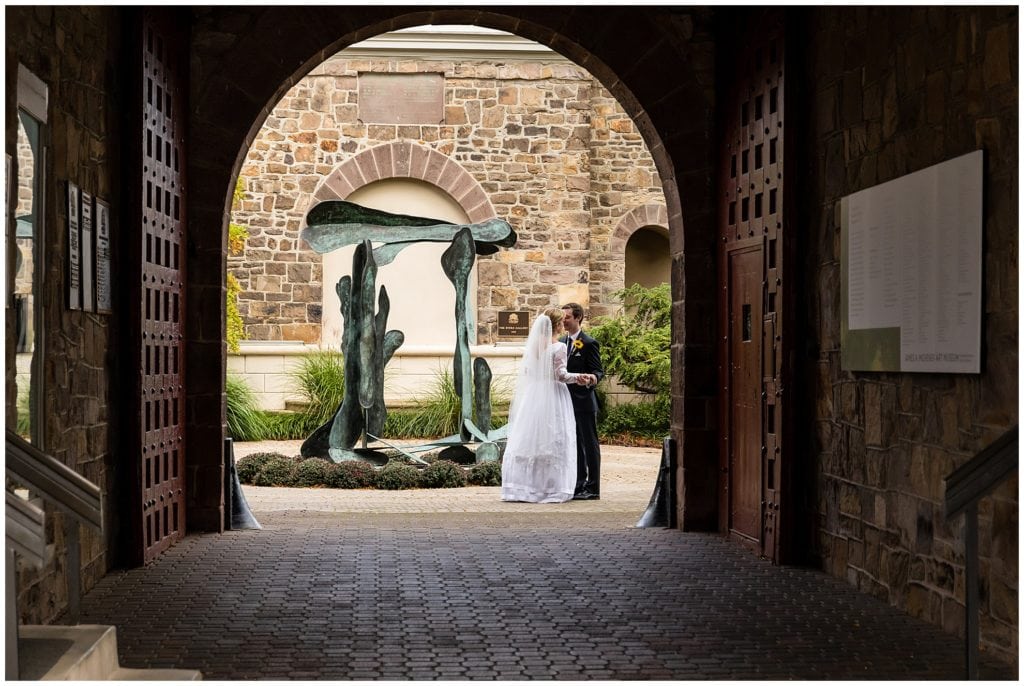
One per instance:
(636,343)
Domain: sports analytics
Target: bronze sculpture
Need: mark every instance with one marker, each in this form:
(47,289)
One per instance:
(367,347)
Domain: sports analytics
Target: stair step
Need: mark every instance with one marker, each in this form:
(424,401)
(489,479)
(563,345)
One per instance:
(84,652)
(129,674)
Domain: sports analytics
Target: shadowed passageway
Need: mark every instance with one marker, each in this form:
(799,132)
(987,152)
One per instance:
(539,592)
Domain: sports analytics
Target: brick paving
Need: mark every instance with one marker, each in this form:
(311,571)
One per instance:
(516,591)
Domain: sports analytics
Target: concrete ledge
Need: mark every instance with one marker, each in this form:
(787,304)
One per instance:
(84,652)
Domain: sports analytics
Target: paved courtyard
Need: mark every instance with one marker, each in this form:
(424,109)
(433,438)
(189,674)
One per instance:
(453,584)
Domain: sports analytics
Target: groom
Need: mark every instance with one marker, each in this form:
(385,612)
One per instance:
(584,356)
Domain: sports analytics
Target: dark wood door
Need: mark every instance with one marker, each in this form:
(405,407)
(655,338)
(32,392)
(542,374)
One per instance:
(744,388)
(156,290)
(756,359)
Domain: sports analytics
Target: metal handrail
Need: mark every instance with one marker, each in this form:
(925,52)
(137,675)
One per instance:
(56,482)
(69,492)
(26,529)
(964,488)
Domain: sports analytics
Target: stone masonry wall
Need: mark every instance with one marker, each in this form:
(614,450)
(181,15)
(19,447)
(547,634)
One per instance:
(551,149)
(892,91)
(73,50)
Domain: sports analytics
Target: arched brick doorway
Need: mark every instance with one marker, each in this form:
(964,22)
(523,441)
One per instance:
(239,73)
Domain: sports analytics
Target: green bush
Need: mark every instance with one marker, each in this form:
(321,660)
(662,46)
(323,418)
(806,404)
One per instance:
(439,411)
(24,425)
(277,471)
(649,418)
(352,474)
(247,466)
(283,426)
(313,472)
(443,474)
(396,476)
(321,381)
(485,474)
(636,344)
(245,419)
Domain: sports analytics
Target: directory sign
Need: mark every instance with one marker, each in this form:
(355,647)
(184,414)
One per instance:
(911,271)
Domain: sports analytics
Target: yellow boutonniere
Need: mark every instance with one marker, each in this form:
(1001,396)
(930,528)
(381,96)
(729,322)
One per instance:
(577,344)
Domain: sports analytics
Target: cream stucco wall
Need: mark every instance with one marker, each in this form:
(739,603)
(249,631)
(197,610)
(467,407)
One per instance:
(422,298)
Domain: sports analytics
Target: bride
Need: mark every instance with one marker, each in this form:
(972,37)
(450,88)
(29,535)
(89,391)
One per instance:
(539,465)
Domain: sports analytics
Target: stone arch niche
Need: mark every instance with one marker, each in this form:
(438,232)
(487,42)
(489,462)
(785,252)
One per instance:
(648,224)
(406,178)
(245,58)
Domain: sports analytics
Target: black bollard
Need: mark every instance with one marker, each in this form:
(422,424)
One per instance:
(661,509)
(236,509)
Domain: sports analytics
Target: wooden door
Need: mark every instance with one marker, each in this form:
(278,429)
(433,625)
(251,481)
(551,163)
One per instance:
(156,289)
(744,388)
(755,249)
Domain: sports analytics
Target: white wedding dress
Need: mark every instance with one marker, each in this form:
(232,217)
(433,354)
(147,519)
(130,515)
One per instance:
(539,465)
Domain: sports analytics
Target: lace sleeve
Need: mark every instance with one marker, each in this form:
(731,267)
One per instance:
(558,361)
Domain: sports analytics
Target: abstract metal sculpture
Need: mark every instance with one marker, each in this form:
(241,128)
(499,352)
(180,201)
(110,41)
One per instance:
(367,347)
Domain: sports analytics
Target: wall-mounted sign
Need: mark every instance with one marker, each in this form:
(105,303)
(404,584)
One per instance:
(911,271)
(87,252)
(74,250)
(513,324)
(103,300)
(401,98)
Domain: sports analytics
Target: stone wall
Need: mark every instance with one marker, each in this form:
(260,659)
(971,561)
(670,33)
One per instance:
(894,90)
(74,51)
(553,152)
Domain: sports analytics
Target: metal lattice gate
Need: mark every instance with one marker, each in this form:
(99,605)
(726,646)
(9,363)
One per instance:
(157,290)
(753,300)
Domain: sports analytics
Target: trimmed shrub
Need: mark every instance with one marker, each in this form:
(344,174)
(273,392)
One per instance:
(352,474)
(315,471)
(443,474)
(277,471)
(396,476)
(486,474)
(248,466)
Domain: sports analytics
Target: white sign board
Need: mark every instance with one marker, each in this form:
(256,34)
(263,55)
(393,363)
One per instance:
(74,251)
(87,252)
(911,268)
(103,299)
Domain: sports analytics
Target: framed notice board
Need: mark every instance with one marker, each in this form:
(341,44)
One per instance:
(911,268)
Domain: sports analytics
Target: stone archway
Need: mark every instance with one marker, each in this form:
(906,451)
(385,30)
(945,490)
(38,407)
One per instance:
(637,219)
(404,159)
(245,58)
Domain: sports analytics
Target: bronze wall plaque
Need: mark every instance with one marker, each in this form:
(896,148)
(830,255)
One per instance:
(401,98)
(513,324)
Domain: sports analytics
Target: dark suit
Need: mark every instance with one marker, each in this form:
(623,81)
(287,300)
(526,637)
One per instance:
(586,360)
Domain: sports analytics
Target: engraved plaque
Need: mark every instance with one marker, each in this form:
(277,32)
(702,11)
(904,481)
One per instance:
(104,301)
(513,324)
(74,252)
(401,98)
(86,246)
